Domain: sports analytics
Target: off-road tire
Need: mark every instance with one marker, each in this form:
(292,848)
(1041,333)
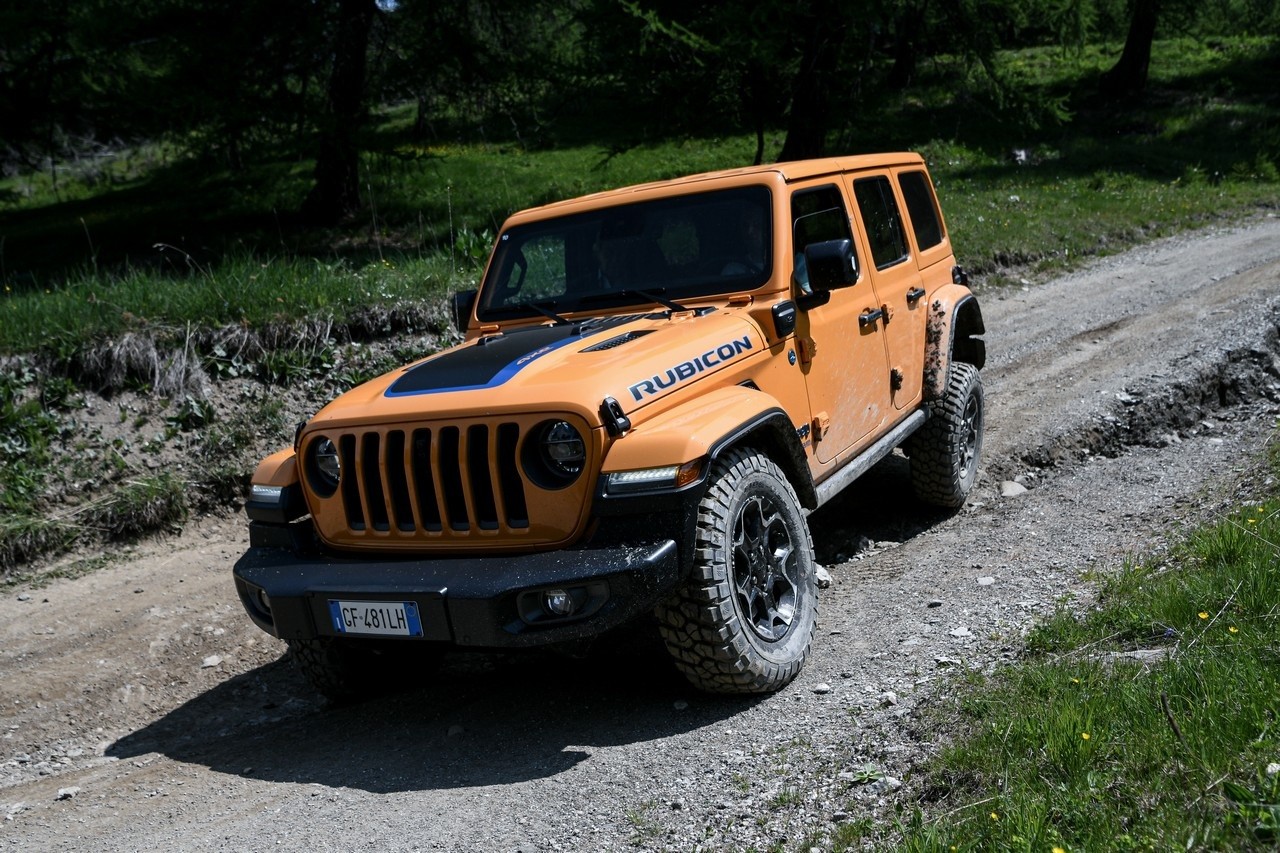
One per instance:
(743,621)
(347,671)
(945,451)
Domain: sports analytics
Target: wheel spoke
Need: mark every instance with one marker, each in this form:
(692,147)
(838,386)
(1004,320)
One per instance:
(969,424)
(764,568)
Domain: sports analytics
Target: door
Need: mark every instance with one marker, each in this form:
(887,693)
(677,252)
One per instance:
(843,358)
(897,281)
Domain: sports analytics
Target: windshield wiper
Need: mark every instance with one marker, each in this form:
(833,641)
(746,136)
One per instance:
(654,296)
(543,307)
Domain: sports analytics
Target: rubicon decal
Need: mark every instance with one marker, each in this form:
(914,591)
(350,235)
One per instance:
(687,369)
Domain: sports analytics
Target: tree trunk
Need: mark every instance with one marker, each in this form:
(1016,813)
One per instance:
(809,120)
(754,97)
(1128,77)
(336,192)
(908,28)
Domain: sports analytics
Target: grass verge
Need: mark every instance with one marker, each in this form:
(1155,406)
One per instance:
(137,507)
(1152,723)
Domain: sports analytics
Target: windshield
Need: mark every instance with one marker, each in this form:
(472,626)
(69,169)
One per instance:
(688,246)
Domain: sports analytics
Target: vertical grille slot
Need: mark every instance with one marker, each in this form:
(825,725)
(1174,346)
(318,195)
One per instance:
(370,467)
(512,487)
(424,481)
(398,464)
(449,466)
(350,486)
(482,499)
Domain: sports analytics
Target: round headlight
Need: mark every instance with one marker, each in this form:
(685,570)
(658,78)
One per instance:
(326,466)
(555,454)
(565,452)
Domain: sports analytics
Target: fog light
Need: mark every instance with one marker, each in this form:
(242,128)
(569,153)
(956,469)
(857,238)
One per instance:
(264,600)
(558,602)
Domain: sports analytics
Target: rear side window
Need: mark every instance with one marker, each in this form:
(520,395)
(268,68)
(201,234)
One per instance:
(921,208)
(880,216)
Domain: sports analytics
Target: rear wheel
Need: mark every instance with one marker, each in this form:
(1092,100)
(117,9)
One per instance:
(744,620)
(945,451)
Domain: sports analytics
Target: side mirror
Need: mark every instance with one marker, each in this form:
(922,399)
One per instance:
(831,265)
(463,302)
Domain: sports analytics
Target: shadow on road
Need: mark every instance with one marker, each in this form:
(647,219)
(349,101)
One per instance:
(490,719)
(479,720)
(879,507)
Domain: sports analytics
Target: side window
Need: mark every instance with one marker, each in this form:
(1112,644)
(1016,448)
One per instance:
(817,215)
(880,216)
(921,208)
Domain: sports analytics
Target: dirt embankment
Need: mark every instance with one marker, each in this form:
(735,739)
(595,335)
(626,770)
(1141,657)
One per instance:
(141,710)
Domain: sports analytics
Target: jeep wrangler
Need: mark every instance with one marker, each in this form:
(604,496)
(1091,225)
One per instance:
(657,385)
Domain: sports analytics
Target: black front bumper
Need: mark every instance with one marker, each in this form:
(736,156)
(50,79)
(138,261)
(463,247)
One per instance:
(492,601)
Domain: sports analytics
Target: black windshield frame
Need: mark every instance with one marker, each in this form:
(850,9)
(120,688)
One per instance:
(682,247)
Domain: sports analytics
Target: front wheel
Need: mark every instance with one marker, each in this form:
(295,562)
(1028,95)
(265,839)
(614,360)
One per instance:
(346,671)
(743,621)
(945,451)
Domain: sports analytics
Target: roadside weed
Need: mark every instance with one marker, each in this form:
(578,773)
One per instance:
(1152,722)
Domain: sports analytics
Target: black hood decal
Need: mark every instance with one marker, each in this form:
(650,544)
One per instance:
(493,361)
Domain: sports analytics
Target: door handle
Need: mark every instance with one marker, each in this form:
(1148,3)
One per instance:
(870,317)
(914,294)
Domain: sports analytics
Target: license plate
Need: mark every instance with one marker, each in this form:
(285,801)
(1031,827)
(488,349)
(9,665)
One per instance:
(376,618)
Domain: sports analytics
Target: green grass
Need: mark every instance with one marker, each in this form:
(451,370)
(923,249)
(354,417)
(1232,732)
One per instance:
(146,269)
(238,289)
(145,237)
(138,506)
(1081,747)
(27,429)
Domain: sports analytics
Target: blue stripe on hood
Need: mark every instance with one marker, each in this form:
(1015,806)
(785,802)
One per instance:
(492,361)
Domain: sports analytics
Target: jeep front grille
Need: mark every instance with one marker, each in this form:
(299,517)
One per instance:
(430,479)
(446,485)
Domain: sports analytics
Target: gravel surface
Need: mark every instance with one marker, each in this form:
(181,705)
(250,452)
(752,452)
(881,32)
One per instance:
(142,710)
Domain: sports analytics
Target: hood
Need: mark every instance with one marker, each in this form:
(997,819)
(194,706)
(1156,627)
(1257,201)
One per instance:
(635,358)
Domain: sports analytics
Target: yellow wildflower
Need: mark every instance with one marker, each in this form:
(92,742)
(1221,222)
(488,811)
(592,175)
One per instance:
(1084,735)
(1233,629)
(1203,615)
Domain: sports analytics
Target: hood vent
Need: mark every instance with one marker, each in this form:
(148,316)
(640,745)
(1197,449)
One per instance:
(618,341)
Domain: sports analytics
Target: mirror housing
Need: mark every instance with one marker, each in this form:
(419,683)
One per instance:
(463,302)
(831,265)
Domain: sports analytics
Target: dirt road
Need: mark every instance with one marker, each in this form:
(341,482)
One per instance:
(140,710)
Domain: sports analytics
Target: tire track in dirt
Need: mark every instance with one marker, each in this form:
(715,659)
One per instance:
(1126,398)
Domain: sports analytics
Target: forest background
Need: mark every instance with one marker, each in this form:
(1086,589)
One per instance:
(278,116)
(196,193)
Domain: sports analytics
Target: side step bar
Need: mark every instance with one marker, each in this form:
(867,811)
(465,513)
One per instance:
(859,465)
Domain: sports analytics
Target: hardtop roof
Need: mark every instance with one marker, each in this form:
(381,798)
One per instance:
(787,172)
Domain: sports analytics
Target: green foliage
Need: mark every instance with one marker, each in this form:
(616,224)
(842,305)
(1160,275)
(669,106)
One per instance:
(26,429)
(240,289)
(1150,723)
(24,537)
(190,413)
(141,506)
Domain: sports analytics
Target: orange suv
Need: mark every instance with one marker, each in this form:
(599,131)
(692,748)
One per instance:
(658,383)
